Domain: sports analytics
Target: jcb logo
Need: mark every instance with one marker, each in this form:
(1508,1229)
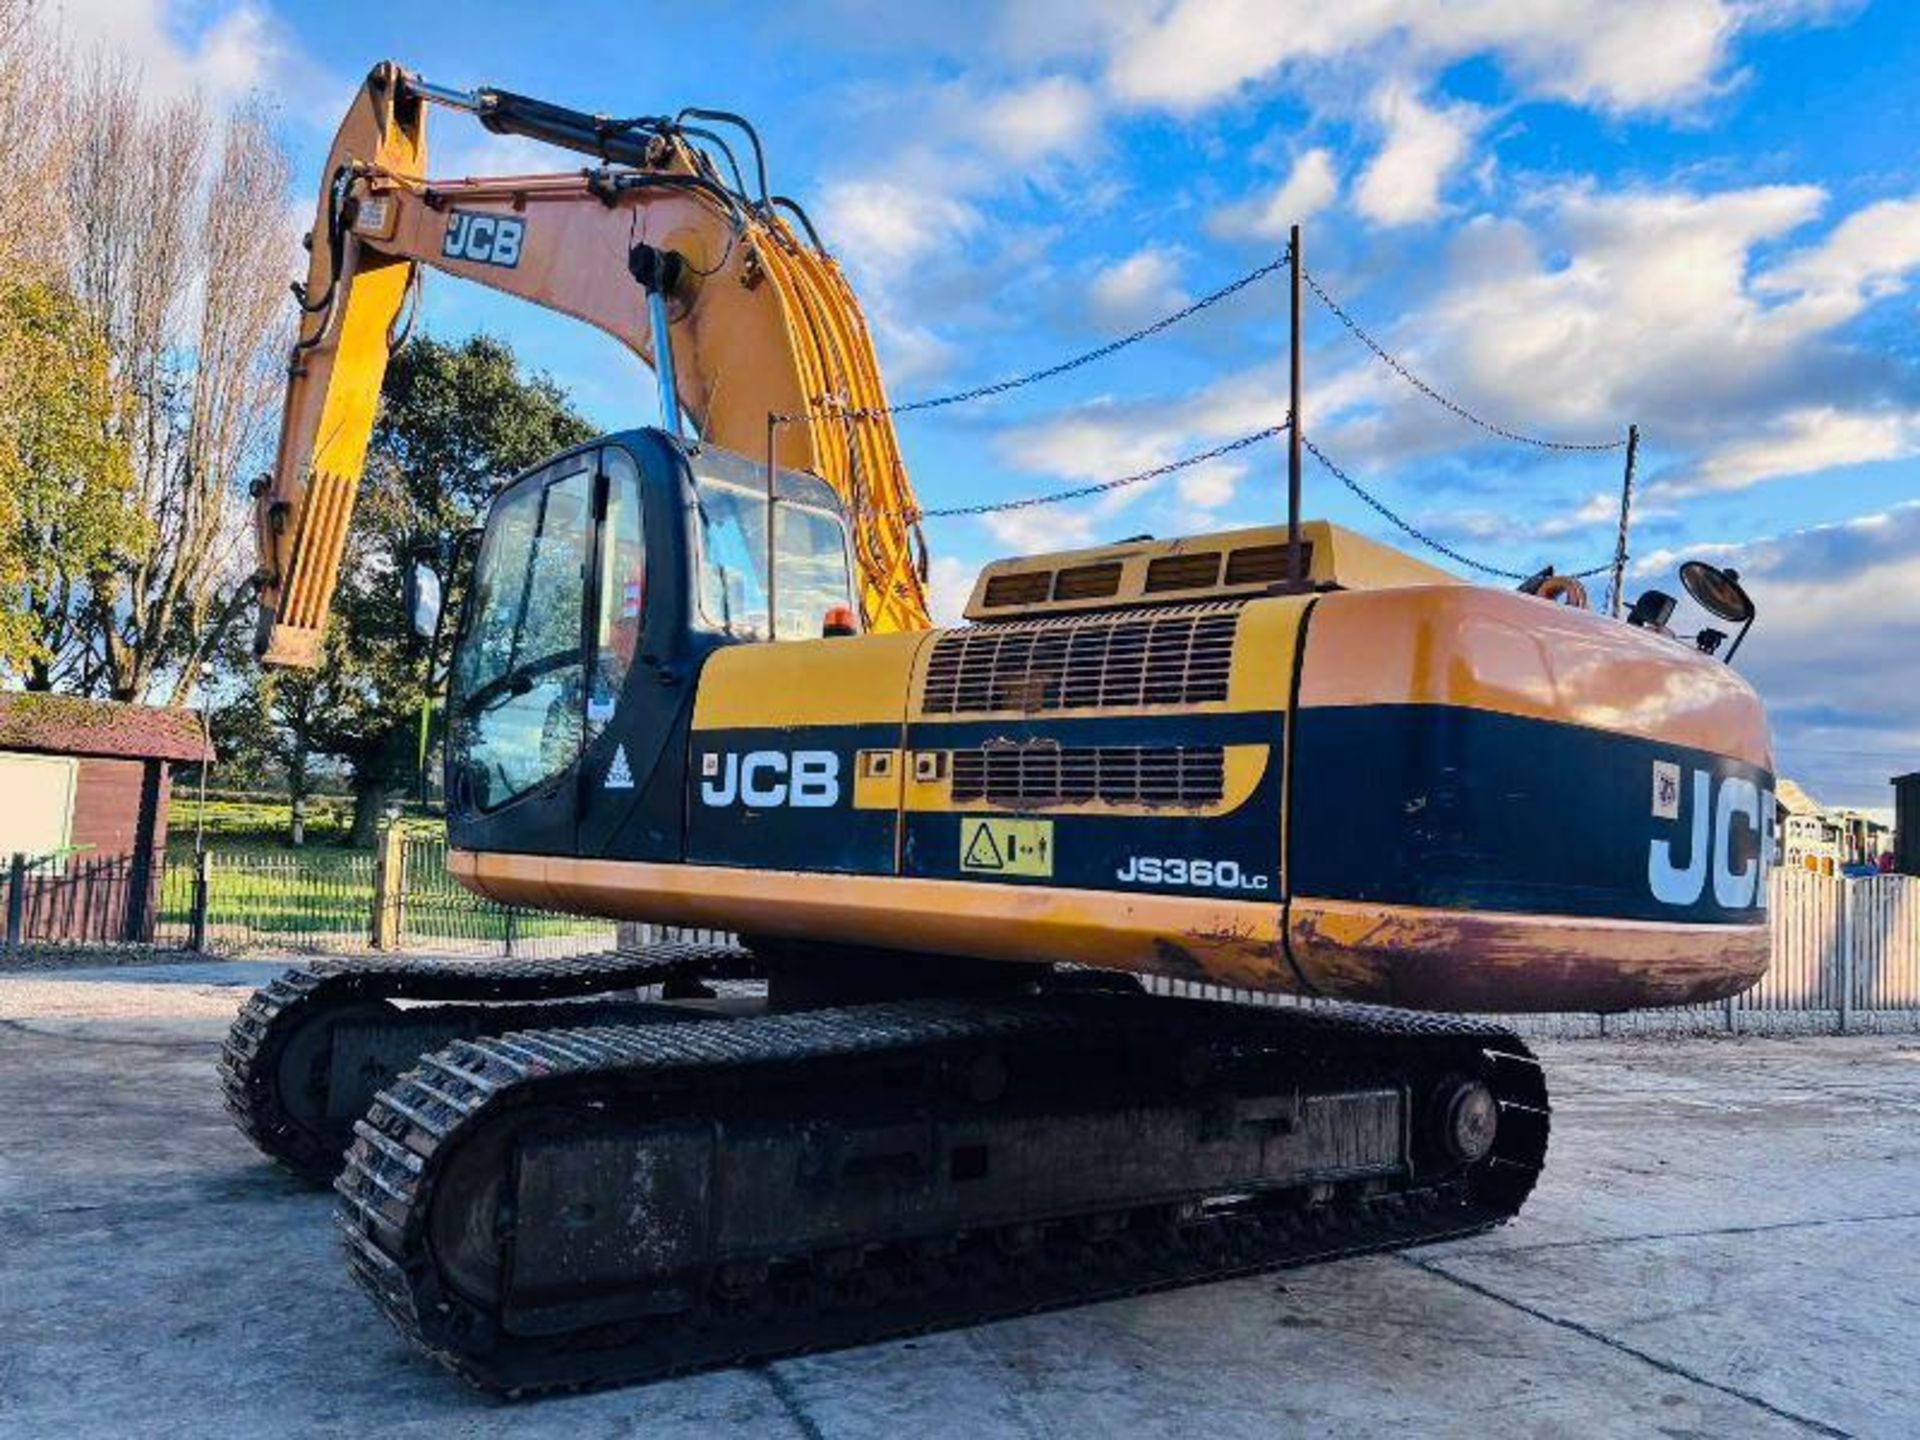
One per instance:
(489,239)
(1728,840)
(766,779)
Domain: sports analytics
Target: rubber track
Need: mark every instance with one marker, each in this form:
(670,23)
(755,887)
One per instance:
(386,1185)
(249,1059)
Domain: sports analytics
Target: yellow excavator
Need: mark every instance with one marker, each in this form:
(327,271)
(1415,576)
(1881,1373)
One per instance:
(695,684)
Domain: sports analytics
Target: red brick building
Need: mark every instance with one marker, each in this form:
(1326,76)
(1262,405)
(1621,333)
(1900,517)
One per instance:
(84,791)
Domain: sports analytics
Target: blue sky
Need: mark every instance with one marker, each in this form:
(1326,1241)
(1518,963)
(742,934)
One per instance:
(1700,216)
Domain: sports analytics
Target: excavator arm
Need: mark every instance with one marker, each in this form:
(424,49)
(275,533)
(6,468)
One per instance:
(767,352)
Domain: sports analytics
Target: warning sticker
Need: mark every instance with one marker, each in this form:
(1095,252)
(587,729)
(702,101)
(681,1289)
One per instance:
(991,846)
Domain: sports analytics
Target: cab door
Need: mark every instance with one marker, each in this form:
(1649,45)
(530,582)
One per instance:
(516,698)
(641,661)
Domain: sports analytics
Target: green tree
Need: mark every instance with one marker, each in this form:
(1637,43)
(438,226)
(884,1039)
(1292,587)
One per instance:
(454,421)
(66,483)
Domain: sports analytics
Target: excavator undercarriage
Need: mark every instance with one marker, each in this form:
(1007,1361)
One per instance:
(661,1189)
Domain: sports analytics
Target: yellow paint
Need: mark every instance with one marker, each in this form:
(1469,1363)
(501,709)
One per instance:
(852,680)
(1404,954)
(993,846)
(1236,942)
(876,780)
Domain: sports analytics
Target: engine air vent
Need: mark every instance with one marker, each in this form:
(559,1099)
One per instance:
(1177,656)
(1042,774)
(1198,571)
(1265,564)
(1018,589)
(1088,582)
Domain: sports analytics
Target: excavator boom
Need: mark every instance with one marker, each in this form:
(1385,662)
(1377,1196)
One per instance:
(766,351)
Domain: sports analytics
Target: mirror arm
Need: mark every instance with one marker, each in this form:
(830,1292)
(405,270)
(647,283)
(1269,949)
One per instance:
(1734,648)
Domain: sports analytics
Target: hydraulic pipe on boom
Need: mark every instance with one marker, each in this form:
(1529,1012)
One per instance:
(738,313)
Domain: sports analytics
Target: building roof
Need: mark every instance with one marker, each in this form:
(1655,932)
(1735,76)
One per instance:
(68,725)
(1793,799)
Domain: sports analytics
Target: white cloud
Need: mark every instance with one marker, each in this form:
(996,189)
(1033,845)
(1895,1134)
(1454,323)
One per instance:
(1600,508)
(1097,442)
(1141,287)
(1866,257)
(1040,119)
(1801,442)
(1041,530)
(216,53)
(1615,55)
(1309,188)
(908,352)
(1210,487)
(950,583)
(887,224)
(1423,147)
(1619,306)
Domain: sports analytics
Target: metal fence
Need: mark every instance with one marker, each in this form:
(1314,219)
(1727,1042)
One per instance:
(240,902)
(76,900)
(438,914)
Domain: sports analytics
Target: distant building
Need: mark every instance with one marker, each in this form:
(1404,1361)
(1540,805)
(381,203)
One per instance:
(84,788)
(1812,837)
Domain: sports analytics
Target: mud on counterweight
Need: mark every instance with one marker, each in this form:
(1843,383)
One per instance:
(804,1180)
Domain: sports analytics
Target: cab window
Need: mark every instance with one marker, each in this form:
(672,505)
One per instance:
(518,682)
(811,547)
(622,588)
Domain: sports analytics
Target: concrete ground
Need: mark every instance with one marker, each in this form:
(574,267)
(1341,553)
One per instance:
(1727,1242)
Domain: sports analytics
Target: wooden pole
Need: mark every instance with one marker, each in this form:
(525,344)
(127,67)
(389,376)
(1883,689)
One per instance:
(1296,572)
(1619,581)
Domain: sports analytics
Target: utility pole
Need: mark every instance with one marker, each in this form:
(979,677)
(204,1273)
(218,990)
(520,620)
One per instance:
(1626,509)
(1296,571)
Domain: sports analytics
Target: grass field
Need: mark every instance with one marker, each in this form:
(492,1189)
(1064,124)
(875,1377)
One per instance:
(264,823)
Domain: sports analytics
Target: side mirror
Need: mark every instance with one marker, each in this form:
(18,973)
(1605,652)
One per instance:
(1719,593)
(424,596)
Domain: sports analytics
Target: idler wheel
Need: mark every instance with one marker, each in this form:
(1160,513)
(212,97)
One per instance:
(1468,1117)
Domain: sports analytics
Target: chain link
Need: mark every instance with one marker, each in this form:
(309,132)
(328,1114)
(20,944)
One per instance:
(1393,518)
(1112,347)
(1399,368)
(1103,487)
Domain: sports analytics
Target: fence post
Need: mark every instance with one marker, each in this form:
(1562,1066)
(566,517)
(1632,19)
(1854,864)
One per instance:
(202,900)
(389,880)
(16,900)
(1846,952)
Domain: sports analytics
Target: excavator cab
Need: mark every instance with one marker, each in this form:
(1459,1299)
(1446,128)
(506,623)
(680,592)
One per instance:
(604,579)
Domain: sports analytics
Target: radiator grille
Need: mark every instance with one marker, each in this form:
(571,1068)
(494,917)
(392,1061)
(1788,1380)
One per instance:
(1265,564)
(1175,657)
(1088,582)
(1029,588)
(1035,776)
(1183,572)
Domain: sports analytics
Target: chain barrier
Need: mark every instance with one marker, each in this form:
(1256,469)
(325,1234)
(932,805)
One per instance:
(1399,368)
(1112,347)
(1395,519)
(1186,462)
